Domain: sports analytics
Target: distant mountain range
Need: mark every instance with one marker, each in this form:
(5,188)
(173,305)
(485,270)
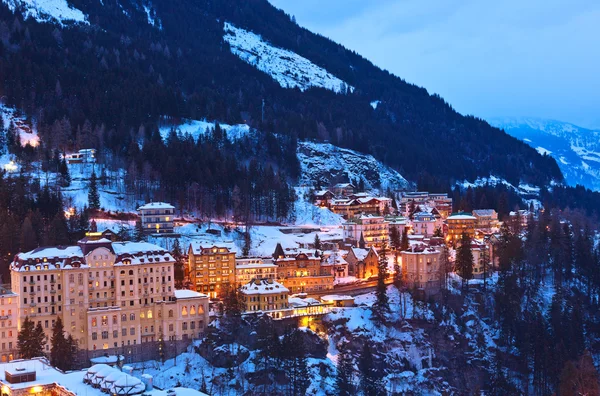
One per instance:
(576,149)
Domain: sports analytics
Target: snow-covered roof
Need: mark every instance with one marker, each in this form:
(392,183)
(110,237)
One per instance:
(105,360)
(180,294)
(263,286)
(461,216)
(336,297)
(484,212)
(156,205)
(199,248)
(360,254)
(65,257)
(296,302)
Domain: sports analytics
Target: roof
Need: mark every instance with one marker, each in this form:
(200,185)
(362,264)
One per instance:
(156,205)
(303,302)
(68,256)
(263,286)
(484,212)
(198,248)
(360,254)
(336,297)
(184,293)
(461,216)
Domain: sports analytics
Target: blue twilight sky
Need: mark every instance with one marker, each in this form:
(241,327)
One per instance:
(532,58)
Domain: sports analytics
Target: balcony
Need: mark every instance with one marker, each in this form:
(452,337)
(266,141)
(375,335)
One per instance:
(52,280)
(31,282)
(52,291)
(4,317)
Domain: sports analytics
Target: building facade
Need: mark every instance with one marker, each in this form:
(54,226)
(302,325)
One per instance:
(303,273)
(157,217)
(421,267)
(265,295)
(254,268)
(362,263)
(487,220)
(373,229)
(211,269)
(9,322)
(112,297)
(460,223)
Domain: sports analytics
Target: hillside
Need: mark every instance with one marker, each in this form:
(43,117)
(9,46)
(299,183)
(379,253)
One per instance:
(575,149)
(125,65)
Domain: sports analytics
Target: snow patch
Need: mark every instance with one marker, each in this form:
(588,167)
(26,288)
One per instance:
(289,69)
(375,103)
(543,151)
(47,10)
(196,128)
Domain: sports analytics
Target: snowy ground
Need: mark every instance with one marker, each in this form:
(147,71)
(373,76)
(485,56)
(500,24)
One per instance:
(289,69)
(197,128)
(27,129)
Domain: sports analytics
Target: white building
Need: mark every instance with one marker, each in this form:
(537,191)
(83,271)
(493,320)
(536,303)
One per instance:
(254,268)
(374,230)
(157,217)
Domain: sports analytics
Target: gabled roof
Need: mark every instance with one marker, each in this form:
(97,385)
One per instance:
(156,205)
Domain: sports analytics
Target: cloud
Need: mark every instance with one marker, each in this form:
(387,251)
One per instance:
(511,57)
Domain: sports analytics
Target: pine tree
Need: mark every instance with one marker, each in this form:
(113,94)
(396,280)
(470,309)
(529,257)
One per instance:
(179,263)
(345,372)
(404,245)
(382,306)
(395,238)
(138,232)
(317,242)
(464,260)
(31,340)
(93,195)
(60,348)
(370,380)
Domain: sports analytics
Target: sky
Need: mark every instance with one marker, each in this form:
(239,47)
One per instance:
(508,58)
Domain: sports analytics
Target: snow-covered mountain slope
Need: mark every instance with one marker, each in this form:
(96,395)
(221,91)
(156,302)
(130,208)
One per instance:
(324,163)
(289,69)
(47,10)
(196,128)
(576,149)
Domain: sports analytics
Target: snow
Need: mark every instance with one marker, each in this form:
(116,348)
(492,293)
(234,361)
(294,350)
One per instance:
(289,69)
(156,205)
(323,163)
(308,214)
(522,188)
(27,130)
(375,103)
(47,10)
(184,293)
(152,18)
(196,128)
(543,151)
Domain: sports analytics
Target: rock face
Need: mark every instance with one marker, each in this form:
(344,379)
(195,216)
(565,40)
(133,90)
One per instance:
(223,356)
(324,164)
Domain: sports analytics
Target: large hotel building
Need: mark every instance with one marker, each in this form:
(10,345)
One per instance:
(115,298)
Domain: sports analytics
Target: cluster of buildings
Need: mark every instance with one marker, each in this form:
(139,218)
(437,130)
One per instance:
(343,200)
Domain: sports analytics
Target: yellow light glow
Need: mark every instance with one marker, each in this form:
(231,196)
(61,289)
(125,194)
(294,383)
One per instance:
(36,389)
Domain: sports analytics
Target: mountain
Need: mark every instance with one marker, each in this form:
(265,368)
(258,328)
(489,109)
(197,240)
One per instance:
(576,149)
(123,65)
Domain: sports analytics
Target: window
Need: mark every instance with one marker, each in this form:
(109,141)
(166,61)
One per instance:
(94,336)
(132,317)
(105,335)
(104,320)
(124,318)
(170,312)
(132,331)
(149,315)
(184,311)
(171,327)
(94,322)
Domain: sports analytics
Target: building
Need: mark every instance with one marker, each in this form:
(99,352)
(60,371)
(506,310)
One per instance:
(362,263)
(460,223)
(335,262)
(254,268)
(421,267)
(397,222)
(211,269)
(424,223)
(303,273)
(265,295)
(9,321)
(157,217)
(481,253)
(85,156)
(373,229)
(113,297)
(353,207)
(487,220)
(323,198)
(344,189)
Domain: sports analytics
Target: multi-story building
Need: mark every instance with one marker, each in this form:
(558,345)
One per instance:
(157,217)
(374,230)
(323,198)
(303,273)
(460,223)
(8,323)
(482,262)
(248,269)
(352,207)
(211,269)
(421,267)
(334,263)
(265,295)
(424,223)
(112,297)
(487,220)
